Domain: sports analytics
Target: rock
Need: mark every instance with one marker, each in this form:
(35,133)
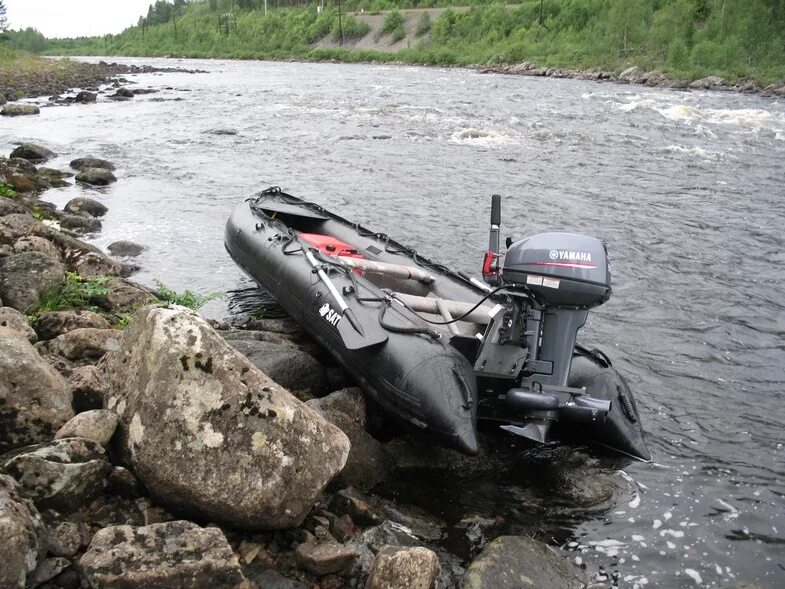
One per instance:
(389,533)
(34,399)
(55,323)
(221,132)
(349,401)
(93,264)
(354,504)
(47,570)
(247,453)
(172,554)
(63,474)
(707,83)
(14,226)
(96,177)
(632,74)
(291,368)
(404,568)
(33,243)
(80,223)
(83,204)
(32,152)
(271,579)
(124,297)
(85,97)
(98,425)
(84,343)
(123,483)
(26,277)
(18,110)
(88,387)
(123,93)
(10,206)
(13,319)
(22,535)
(125,248)
(515,562)
(87,163)
(325,559)
(65,539)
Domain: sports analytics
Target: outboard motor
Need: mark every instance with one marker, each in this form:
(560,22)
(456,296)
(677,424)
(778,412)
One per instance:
(551,281)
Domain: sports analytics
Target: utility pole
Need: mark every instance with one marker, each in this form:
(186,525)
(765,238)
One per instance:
(340,25)
(265,7)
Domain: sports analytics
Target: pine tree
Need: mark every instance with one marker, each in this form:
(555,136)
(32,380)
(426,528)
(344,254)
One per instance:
(3,19)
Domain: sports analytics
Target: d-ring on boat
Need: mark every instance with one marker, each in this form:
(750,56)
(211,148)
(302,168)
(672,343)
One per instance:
(436,348)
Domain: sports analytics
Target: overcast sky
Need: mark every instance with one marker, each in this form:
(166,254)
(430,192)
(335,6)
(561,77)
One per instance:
(73,18)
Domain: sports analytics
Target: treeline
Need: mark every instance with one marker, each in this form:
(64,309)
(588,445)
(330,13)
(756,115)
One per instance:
(684,38)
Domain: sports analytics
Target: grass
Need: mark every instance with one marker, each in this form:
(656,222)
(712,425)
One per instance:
(7,190)
(186,298)
(76,291)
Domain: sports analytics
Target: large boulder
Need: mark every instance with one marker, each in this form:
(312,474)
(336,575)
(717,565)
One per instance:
(124,297)
(404,568)
(88,388)
(159,556)
(26,277)
(85,163)
(325,559)
(22,536)
(14,226)
(83,204)
(63,474)
(32,152)
(97,425)
(235,447)
(85,97)
(83,344)
(518,562)
(96,264)
(96,177)
(13,319)
(33,243)
(35,400)
(18,110)
(55,323)
(125,248)
(80,223)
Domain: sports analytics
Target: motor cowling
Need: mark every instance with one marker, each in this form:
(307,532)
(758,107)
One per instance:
(562,269)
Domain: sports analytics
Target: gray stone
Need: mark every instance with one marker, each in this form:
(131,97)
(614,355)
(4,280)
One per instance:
(98,425)
(55,323)
(271,579)
(88,387)
(325,559)
(85,97)
(33,243)
(124,297)
(86,163)
(80,223)
(160,556)
(632,74)
(123,93)
(13,319)
(96,177)
(83,344)
(83,204)
(18,110)
(236,448)
(707,83)
(65,539)
(34,399)
(47,570)
(96,264)
(26,277)
(22,535)
(125,248)
(404,568)
(14,226)
(32,152)
(515,562)
(63,474)
(357,506)
(389,533)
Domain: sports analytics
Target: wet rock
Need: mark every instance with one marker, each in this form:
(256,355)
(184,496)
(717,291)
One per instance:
(26,277)
(404,568)
(55,323)
(248,454)
(88,387)
(83,204)
(18,110)
(173,554)
(13,319)
(14,226)
(62,474)
(98,425)
(291,368)
(22,535)
(10,206)
(369,462)
(47,570)
(515,562)
(325,559)
(221,132)
(80,223)
(632,74)
(65,539)
(389,533)
(708,83)
(32,152)
(85,97)
(357,506)
(125,248)
(24,183)
(123,93)
(87,163)
(33,243)
(34,399)
(96,264)
(96,177)
(84,343)
(271,579)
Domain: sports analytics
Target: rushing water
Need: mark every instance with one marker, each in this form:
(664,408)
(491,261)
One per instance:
(687,189)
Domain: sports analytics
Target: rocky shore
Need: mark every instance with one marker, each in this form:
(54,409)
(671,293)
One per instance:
(142,445)
(636,75)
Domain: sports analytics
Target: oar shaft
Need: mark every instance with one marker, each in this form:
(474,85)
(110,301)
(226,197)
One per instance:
(327,282)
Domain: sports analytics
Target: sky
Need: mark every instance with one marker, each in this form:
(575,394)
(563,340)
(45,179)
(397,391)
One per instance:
(74,18)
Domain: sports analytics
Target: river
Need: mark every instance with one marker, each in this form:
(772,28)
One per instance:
(686,188)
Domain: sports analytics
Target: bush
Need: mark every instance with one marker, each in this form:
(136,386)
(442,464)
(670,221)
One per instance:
(74,292)
(187,298)
(352,28)
(393,21)
(423,25)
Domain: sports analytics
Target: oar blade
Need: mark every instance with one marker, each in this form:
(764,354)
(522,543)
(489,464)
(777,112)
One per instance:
(371,333)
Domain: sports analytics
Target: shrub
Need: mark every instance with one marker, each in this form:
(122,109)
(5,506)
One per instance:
(423,25)
(7,190)
(76,291)
(187,298)
(352,28)
(393,20)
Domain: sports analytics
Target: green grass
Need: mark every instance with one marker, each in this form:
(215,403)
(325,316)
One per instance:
(74,292)
(186,298)
(7,190)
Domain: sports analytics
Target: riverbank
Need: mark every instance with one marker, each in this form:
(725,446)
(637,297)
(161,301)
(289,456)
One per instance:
(96,489)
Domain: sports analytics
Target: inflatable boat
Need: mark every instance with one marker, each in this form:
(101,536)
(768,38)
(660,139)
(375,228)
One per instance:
(440,350)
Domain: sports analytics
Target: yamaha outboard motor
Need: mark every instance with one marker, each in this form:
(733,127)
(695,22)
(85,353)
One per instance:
(551,281)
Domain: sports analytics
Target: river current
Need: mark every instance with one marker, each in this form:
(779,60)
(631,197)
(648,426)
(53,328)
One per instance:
(686,188)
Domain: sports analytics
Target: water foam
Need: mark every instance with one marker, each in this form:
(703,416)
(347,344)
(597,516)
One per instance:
(480,138)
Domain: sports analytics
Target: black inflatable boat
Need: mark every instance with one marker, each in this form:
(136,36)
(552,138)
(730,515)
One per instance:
(438,349)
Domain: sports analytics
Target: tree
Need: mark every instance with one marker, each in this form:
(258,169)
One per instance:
(3,19)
